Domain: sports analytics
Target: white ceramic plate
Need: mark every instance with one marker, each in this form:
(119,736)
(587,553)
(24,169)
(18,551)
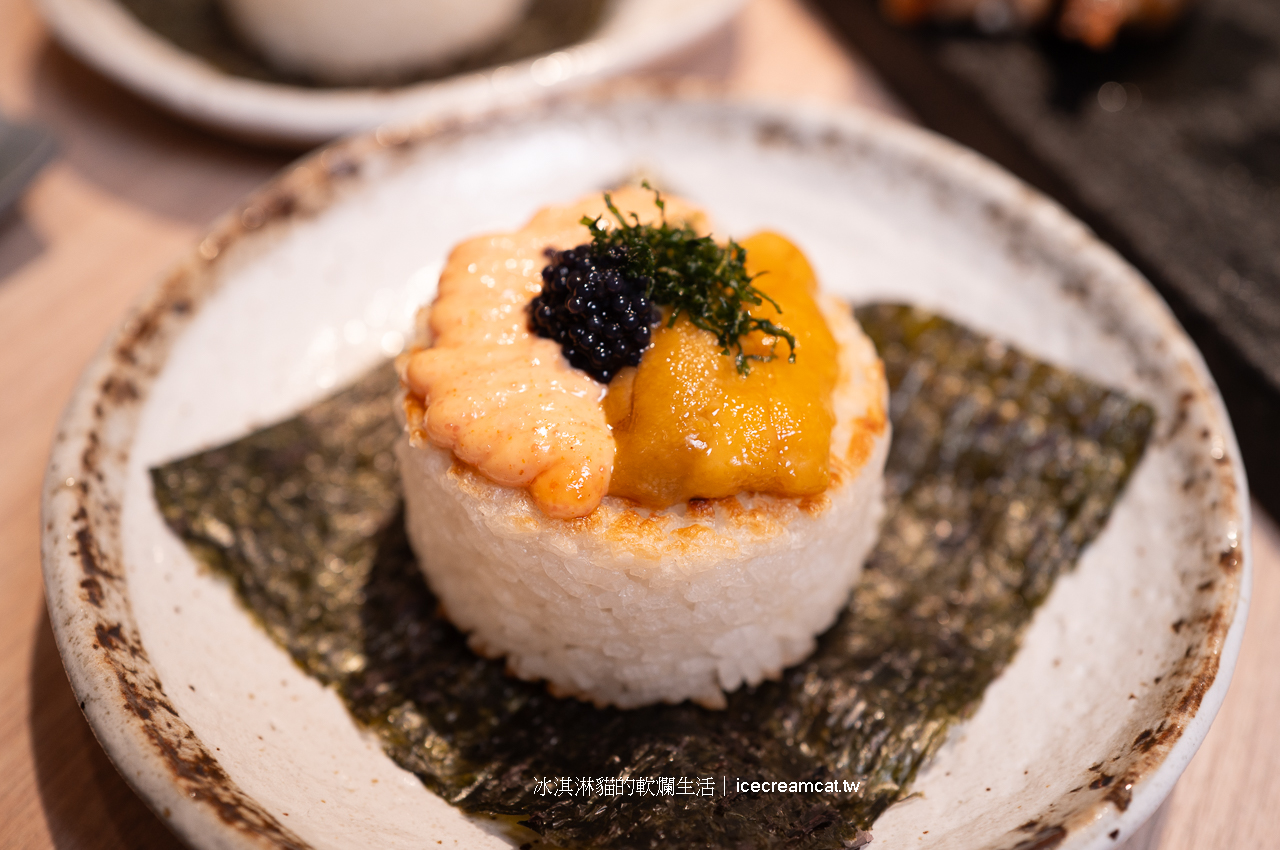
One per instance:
(629,34)
(315,278)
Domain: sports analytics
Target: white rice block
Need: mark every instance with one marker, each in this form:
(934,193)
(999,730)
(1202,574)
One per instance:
(630,606)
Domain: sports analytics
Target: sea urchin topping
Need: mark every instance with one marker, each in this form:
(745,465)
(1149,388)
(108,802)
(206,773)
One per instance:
(687,425)
(600,316)
(600,300)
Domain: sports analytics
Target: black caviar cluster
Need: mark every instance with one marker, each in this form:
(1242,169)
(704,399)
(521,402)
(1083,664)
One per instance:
(600,317)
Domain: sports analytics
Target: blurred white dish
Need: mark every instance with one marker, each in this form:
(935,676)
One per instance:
(103,33)
(360,41)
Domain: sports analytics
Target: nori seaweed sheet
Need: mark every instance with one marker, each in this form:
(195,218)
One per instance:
(1002,469)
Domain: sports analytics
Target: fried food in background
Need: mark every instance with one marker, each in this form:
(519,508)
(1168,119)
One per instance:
(1095,23)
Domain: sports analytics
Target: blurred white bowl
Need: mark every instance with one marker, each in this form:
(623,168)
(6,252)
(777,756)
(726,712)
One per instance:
(361,41)
(630,34)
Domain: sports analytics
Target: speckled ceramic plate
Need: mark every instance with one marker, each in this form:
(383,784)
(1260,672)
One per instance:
(181,55)
(316,276)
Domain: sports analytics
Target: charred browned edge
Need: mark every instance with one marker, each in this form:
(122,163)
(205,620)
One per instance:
(1193,674)
(135,358)
(307,188)
(1041,838)
(1188,678)
(192,767)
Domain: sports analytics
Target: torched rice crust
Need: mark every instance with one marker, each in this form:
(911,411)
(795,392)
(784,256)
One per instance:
(500,398)
(710,527)
(512,410)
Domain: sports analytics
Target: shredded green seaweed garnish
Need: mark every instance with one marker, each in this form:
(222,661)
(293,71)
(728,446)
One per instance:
(1001,471)
(692,275)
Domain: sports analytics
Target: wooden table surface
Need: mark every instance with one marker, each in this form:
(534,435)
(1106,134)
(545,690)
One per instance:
(129,193)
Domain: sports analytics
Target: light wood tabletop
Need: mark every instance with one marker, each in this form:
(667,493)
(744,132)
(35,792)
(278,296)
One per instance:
(130,191)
